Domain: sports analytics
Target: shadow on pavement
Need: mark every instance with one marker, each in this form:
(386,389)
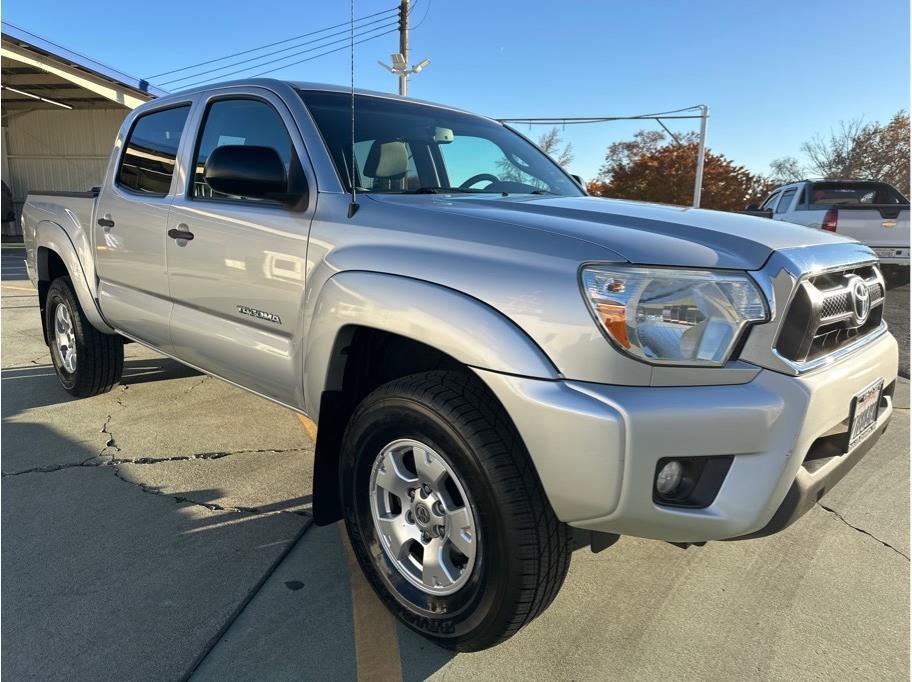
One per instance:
(104,579)
(32,386)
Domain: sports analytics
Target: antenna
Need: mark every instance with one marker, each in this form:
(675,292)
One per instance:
(353,206)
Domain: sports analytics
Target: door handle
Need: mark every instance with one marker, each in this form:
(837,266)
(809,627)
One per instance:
(177,233)
(106,223)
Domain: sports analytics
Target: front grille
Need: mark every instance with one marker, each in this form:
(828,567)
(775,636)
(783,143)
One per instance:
(824,314)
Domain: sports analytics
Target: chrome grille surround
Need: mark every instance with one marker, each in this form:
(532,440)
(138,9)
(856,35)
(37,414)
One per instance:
(826,312)
(814,277)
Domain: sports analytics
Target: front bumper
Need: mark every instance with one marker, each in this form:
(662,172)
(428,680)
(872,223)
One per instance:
(596,447)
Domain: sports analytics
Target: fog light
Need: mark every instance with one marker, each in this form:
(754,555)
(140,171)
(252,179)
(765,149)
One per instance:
(669,478)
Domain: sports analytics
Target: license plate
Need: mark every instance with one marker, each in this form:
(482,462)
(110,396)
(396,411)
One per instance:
(864,409)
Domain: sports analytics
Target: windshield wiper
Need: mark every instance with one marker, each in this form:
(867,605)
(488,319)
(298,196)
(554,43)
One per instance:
(431,189)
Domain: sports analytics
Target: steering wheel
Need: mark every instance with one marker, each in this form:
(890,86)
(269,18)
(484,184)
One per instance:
(478,178)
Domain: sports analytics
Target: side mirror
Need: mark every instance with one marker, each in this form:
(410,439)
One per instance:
(579,180)
(249,171)
(753,207)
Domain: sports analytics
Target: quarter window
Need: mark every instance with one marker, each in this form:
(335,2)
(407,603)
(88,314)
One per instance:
(238,122)
(151,150)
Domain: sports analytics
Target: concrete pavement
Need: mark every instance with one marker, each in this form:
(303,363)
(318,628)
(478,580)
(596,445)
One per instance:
(164,528)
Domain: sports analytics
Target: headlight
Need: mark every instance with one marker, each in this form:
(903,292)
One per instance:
(671,316)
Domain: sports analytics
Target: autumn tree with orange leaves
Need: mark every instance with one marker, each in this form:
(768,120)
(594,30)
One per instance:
(652,167)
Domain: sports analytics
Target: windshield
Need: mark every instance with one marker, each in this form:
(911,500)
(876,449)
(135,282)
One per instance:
(403,147)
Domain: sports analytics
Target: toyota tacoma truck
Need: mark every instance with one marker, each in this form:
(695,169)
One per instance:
(874,213)
(492,357)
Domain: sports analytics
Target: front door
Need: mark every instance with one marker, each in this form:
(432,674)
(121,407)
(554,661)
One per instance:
(238,283)
(131,226)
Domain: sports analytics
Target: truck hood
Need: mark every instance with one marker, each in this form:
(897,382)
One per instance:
(647,234)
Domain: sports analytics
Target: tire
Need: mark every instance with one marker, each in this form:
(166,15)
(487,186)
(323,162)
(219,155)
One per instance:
(97,364)
(521,551)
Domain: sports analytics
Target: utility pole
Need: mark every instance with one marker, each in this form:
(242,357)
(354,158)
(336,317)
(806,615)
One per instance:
(400,65)
(701,156)
(403,45)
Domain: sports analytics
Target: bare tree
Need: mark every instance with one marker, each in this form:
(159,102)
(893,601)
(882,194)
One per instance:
(869,151)
(785,170)
(550,143)
(840,155)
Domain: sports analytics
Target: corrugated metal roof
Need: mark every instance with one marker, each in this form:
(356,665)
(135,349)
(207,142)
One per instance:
(52,49)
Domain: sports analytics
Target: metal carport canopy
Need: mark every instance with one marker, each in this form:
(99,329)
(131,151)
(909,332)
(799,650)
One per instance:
(34,67)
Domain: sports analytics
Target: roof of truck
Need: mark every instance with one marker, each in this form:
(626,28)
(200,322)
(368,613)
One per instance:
(271,83)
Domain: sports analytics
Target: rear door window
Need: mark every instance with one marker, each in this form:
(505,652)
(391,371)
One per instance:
(147,164)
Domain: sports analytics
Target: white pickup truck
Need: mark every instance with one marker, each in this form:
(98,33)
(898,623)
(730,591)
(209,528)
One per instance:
(492,357)
(874,213)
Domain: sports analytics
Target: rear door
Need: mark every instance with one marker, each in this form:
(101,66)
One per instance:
(131,225)
(238,285)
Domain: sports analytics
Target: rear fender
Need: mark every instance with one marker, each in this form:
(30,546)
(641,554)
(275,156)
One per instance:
(51,237)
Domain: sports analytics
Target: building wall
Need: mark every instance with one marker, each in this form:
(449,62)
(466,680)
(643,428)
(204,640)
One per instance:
(60,150)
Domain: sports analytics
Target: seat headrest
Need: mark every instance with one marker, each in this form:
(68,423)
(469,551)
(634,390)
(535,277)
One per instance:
(386,160)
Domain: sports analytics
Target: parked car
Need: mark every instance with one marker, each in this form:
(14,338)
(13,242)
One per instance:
(874,213)
(492,357)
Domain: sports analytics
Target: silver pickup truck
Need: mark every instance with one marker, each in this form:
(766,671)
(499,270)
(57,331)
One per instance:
(493,358)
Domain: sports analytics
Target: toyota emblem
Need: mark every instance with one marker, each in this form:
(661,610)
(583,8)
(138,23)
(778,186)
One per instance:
(861,300)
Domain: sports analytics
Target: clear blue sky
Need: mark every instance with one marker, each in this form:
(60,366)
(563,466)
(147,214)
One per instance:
(773,73)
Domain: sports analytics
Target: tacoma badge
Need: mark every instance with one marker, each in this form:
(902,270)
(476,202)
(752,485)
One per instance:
(259,314)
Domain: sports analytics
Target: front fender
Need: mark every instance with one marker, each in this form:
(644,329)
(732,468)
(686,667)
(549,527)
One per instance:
(454,323)
(49,236)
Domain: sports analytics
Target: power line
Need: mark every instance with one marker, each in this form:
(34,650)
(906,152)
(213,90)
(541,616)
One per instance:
(426,10)
(338,49)
(286,49)
(300,61)
(573,120)
(268,45)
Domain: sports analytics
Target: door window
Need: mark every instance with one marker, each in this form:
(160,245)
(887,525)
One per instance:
(148,160)
(786,201)
(238,122)
(770,202)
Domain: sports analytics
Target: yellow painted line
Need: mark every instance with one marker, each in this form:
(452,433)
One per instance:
(376,641)
(10,286)
(309,426)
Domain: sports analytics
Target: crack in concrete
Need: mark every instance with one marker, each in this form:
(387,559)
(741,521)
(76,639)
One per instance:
(211,506)
(198,383)
(108,461)
(101,459)
(861,530)
(110,442)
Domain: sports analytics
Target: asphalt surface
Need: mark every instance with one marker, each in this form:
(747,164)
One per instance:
(164,528)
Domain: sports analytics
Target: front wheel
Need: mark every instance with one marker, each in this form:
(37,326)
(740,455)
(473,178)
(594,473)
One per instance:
(87,361)
(446,513)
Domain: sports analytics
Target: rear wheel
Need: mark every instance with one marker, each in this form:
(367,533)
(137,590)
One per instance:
(446,513)
(87,361)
